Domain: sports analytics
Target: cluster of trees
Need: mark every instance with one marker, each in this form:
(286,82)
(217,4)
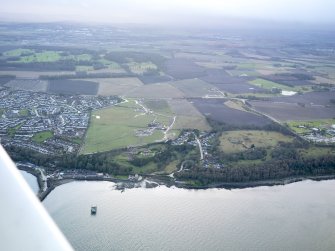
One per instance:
(61,65)
(164,157)
(250,154)
(274,169)
(282,161)
(219,127)
(87,75)
(122,57)
(289,79)
(100,162)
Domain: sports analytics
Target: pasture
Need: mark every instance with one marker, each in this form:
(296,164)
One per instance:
(158,106)
(239,141)
(121,126)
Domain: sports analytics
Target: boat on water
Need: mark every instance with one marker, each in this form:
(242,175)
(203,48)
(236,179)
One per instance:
(93,210)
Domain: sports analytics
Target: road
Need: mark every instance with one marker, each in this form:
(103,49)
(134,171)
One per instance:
(200,148)
(169,128)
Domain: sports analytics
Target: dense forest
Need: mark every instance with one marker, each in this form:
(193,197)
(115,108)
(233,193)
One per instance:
(275,169)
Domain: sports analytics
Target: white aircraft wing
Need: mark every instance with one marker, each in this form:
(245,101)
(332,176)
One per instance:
(24,223)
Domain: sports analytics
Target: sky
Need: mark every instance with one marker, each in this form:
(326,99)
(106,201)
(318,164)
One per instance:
(168,11)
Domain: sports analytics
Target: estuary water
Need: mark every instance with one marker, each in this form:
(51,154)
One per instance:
(299,216)
(31,180)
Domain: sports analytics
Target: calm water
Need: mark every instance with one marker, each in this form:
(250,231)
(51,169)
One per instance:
(31,180)
(298,216)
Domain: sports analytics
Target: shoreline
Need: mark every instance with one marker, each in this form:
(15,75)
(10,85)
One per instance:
(151,181)
(252,184)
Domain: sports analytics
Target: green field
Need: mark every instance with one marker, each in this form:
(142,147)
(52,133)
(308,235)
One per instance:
(42,136)
(17,52)
(118,127)
(238,141)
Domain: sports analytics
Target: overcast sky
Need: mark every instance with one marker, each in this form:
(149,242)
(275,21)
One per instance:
(167,11)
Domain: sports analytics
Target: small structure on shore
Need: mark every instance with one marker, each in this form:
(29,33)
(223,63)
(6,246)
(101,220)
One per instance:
(93,210)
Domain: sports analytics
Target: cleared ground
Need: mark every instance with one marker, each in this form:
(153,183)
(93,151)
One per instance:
(292,111)
(155,91)
(117,86)
(28,84)
(195,88)
(237,141)
(188,116)
(34,74)
(64,86)
(215,109)
(183,69)
(235,104)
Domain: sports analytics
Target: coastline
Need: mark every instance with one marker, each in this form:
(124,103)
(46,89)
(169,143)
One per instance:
(151,181)
(269,183)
